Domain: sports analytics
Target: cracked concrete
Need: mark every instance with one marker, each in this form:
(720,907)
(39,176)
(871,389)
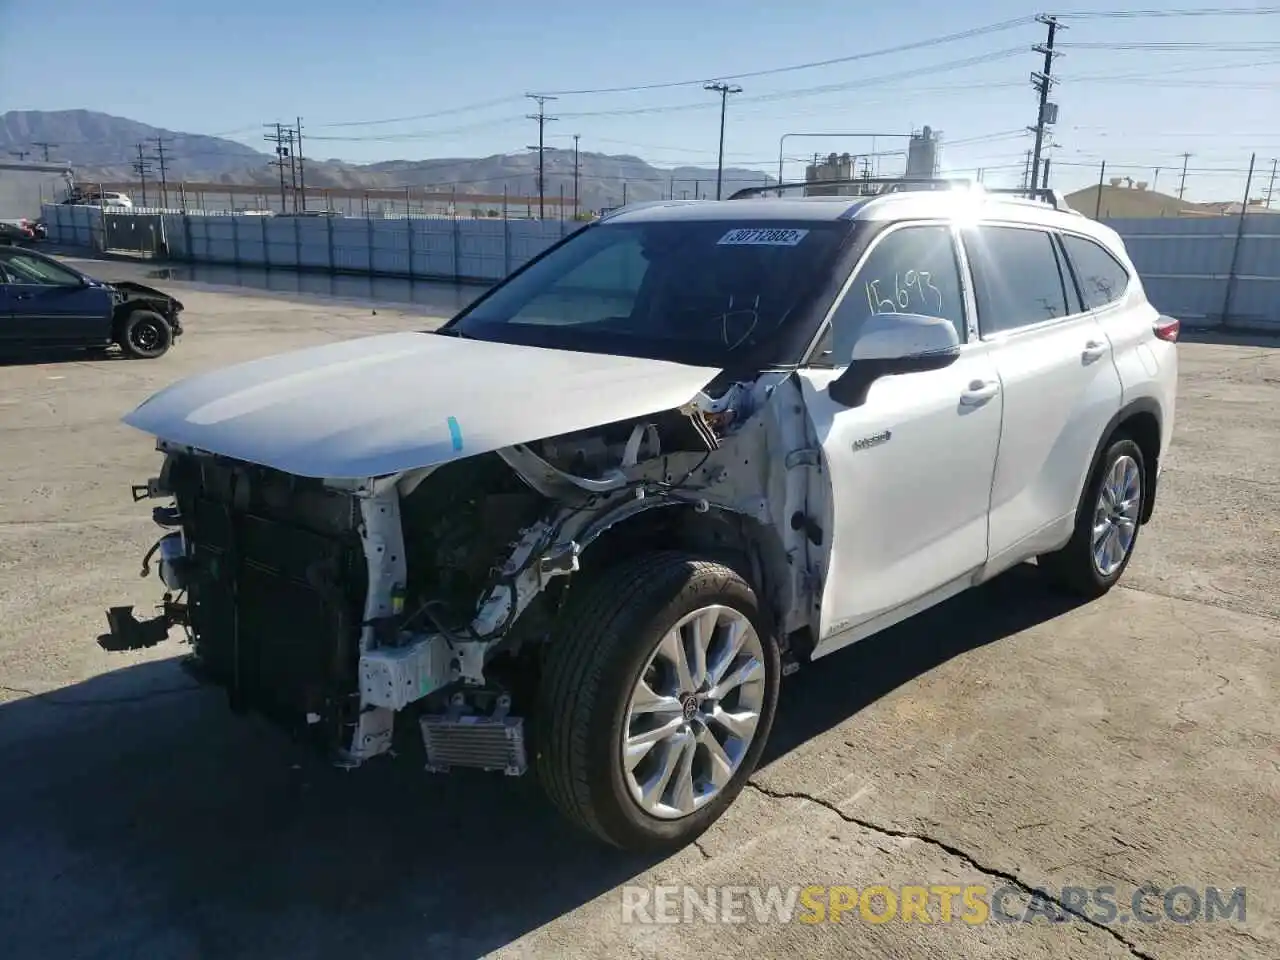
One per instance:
(966,858)
(1005,740)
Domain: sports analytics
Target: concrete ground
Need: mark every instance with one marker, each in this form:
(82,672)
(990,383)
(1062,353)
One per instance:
(1006,739)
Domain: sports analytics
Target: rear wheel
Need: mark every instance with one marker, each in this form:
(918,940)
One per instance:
(1107,524)
(145,335)
(656,701)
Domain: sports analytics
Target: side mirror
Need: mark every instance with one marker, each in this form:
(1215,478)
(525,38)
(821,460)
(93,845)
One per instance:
(891,344)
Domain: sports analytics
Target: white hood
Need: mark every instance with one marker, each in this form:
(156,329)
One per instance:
(383,404)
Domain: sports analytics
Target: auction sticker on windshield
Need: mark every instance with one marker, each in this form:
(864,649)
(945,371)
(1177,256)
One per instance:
(762,237)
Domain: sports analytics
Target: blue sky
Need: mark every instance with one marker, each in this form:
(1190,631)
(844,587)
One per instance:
(230,66)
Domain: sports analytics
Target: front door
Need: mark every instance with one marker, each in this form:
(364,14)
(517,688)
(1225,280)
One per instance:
(910,469)
(52,305)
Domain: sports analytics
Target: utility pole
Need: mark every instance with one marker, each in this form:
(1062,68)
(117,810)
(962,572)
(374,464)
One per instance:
(142,166)
(724,89)
(543,120)
(575,176)
(1042,82)
(1271,184)
(45,147)
(281,151)
(164,179)
(1182,184)
(1026,171)
(20,154)
(302,182)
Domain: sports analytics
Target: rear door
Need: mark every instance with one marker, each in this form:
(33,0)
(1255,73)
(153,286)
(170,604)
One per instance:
(52,305)
(1060,385)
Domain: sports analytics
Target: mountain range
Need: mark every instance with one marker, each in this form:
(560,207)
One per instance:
(101,147)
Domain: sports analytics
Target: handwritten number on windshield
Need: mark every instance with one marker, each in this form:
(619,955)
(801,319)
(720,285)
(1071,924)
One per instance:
(919,282)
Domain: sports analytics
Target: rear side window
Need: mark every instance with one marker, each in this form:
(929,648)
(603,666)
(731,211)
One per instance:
(1101,277)
(1017,276)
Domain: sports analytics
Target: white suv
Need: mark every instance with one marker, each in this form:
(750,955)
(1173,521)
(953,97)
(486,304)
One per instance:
(591,522)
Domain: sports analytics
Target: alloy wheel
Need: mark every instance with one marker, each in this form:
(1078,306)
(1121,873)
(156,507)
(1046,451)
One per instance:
(1115,516)
(693,712)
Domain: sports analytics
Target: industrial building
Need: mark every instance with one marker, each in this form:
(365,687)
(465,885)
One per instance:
(923,156)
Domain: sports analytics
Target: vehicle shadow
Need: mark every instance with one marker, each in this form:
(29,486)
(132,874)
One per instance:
(33,358)
(139,817)
(1233,338)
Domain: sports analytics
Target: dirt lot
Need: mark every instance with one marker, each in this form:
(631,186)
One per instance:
(1005,739)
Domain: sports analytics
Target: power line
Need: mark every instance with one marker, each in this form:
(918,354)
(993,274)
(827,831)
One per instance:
(419,134)
(813,91)
(541,116)
(787,95)
(450,111)
(1190,12)
(811,65)
(1190,46)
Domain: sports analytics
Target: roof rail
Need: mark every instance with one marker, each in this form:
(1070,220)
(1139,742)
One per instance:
(1043,194)
(886,185)
(608,213)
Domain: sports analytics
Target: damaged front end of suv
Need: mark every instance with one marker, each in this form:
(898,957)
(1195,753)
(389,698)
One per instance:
(337,604)
(580,528)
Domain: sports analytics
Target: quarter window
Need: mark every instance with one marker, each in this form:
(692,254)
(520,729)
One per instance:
(1017,277)
(1101,277)
(910,270)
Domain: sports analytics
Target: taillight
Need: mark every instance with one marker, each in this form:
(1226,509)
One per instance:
(1166,328)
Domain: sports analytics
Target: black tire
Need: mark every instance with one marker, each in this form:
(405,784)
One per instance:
(1073,568)
(145,335)
(607,634)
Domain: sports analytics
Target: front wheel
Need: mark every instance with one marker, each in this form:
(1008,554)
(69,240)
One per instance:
(1107,524)
(656,700)
(146,335)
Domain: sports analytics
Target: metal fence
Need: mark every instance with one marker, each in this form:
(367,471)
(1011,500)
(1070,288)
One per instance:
(1211,271)
(435,248)
(1219,271)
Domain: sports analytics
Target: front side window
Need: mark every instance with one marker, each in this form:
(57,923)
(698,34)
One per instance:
(909,270)
(24,268)
(1101,277)
(692,291)
(1017,277)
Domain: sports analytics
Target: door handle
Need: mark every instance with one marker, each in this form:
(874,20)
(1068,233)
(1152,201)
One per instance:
(22,296)
(979,391)
(1093,350)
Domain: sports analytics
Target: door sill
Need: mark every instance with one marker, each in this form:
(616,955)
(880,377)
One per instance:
(882,621)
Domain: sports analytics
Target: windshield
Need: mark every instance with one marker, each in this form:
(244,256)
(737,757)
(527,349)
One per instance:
(704,292)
